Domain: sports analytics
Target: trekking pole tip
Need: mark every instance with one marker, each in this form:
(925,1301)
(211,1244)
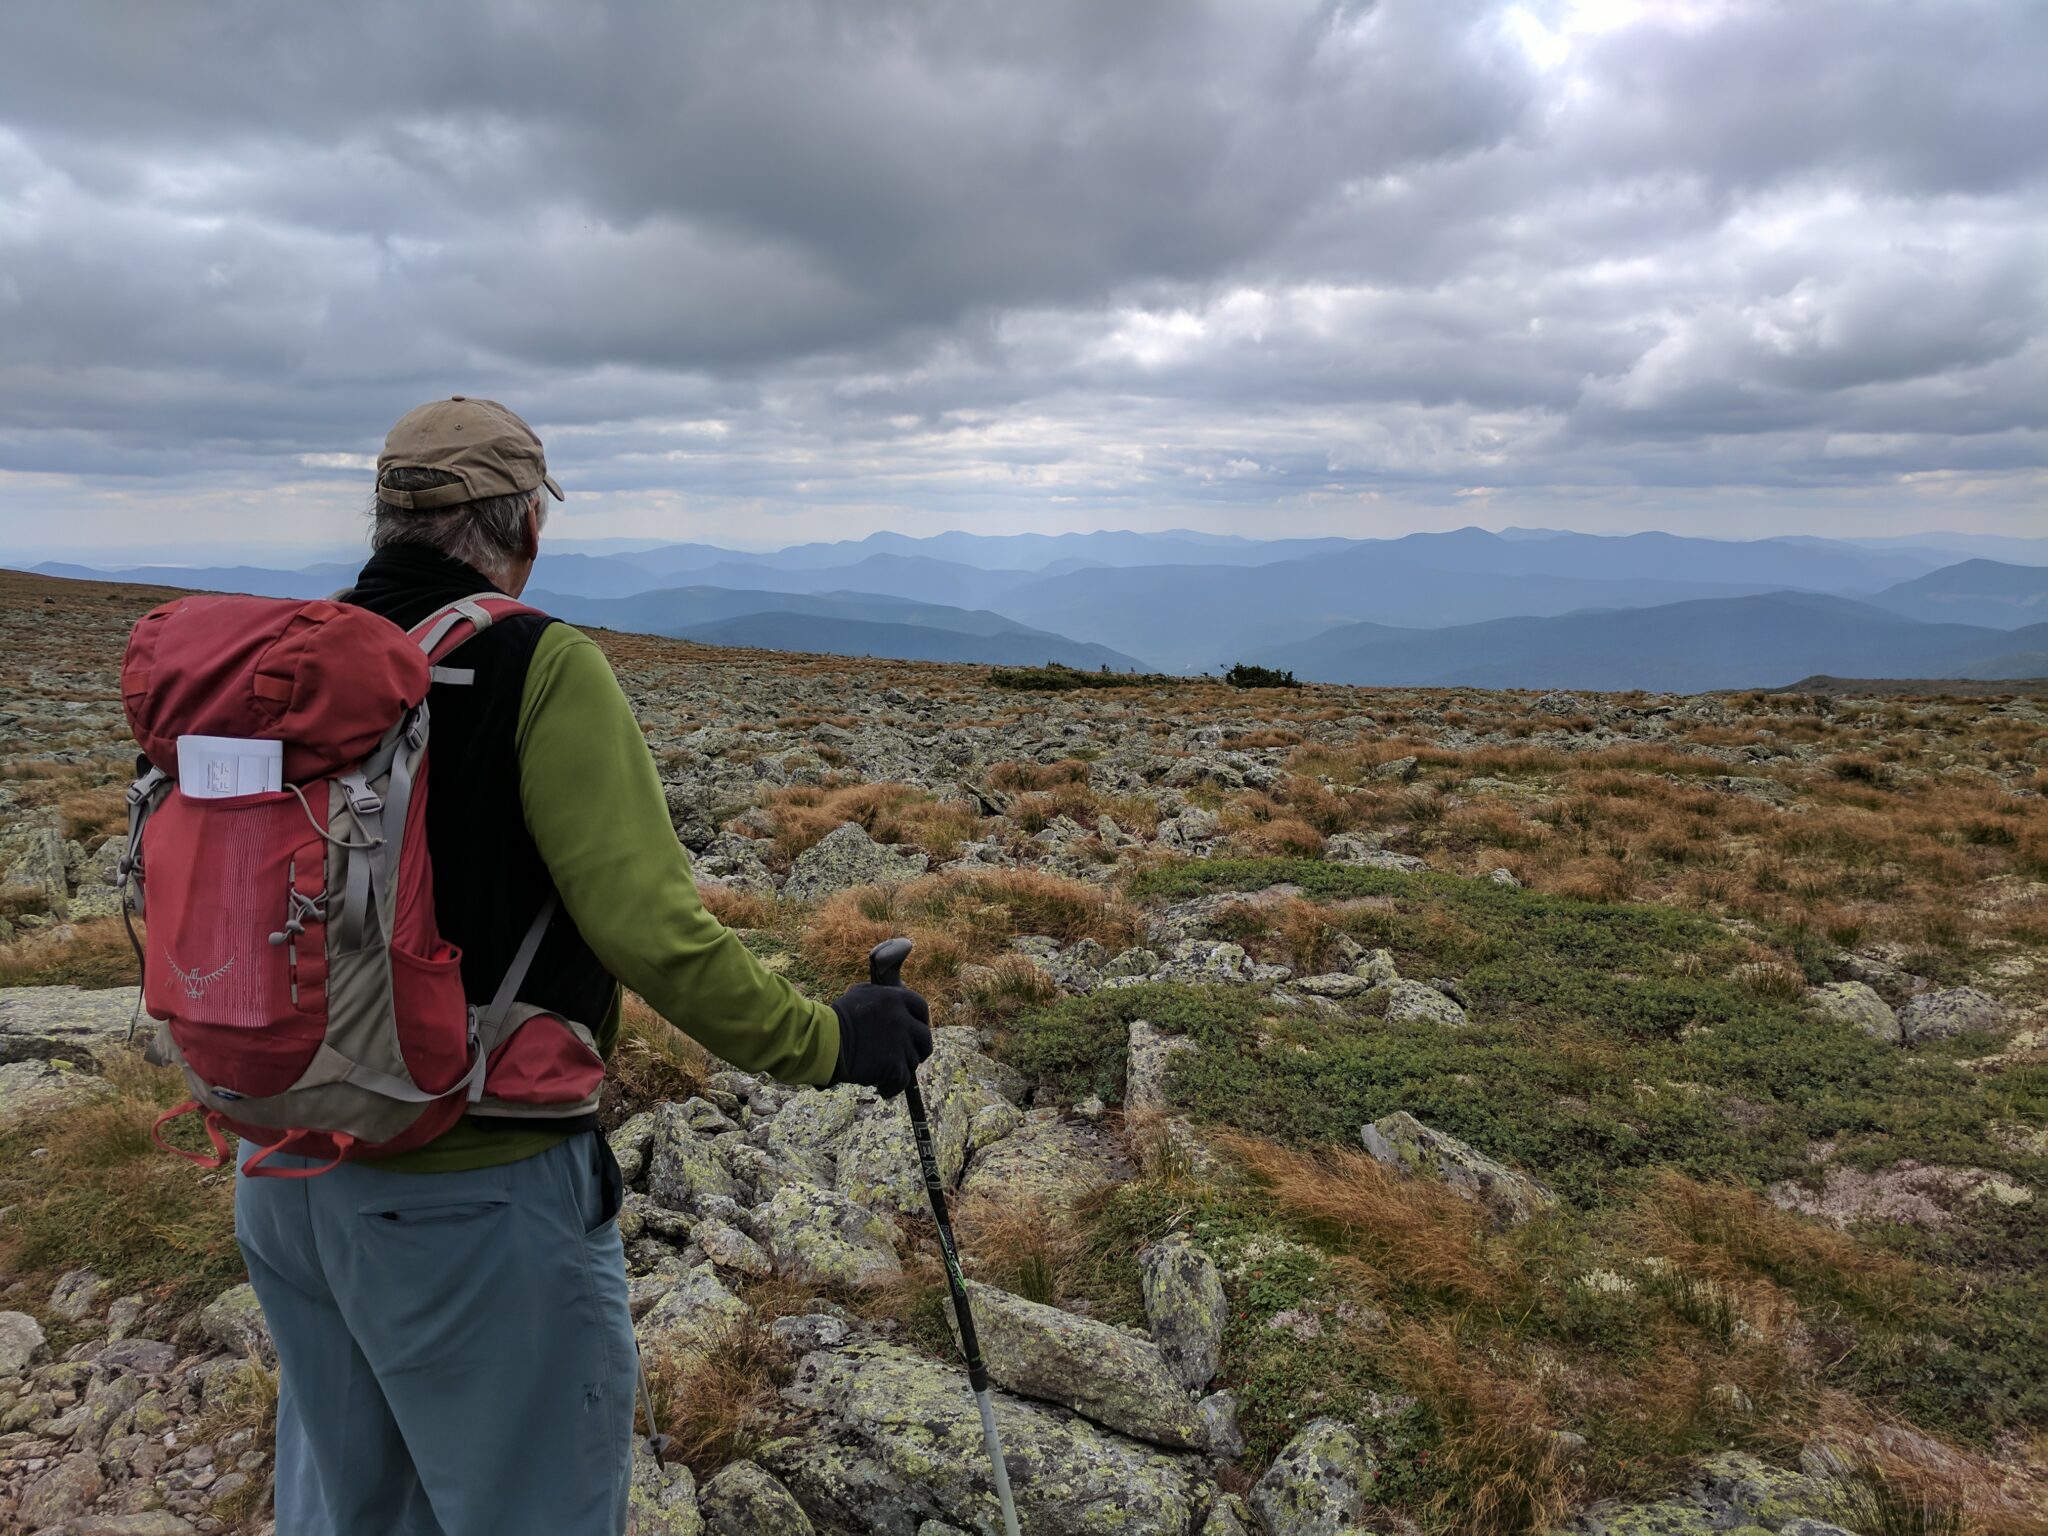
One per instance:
(885,962)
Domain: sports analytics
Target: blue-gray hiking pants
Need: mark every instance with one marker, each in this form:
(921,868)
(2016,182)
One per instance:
(456,1357)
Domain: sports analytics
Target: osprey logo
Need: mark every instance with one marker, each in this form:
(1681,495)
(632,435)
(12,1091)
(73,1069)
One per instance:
(195,984)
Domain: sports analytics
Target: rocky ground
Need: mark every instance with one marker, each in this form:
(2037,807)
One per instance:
(1368,1111)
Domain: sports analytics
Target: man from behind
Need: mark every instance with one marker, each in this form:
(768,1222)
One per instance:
(456,1356)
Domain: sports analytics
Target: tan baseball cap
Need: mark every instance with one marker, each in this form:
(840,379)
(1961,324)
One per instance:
(492,451)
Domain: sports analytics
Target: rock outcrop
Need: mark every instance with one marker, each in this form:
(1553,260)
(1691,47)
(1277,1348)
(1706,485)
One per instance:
(1186,1305)
(1320,1484)
(845,857)
(892,1437)
(1401,1141)
(1858,1005)
(1115,1378)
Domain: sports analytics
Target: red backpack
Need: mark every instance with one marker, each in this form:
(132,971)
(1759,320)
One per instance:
(289,943)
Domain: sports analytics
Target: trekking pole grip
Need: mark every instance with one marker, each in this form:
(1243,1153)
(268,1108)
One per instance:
(885,962)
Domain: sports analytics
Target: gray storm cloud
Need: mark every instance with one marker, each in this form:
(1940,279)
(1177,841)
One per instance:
(1273,267)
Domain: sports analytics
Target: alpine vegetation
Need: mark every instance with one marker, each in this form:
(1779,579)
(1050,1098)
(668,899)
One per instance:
(1358,1110)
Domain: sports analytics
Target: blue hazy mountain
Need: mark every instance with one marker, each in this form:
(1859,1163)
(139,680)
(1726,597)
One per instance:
(847,623)
(256,580)
(1765,640)
(1988,592)
(909,642)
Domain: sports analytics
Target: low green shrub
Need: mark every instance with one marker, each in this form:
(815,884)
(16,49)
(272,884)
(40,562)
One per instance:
(1054,678)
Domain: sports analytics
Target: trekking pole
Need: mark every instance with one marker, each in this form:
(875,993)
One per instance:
(885,969)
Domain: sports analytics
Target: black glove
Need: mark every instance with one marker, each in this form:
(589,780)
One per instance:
(884,1032)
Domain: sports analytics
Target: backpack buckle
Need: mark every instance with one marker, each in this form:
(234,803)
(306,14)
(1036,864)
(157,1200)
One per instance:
(362,799)
(145,786)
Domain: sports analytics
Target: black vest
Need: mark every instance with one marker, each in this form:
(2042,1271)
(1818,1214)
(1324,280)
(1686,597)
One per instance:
(489,881)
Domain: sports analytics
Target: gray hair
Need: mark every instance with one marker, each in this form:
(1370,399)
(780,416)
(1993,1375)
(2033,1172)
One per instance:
(487,534)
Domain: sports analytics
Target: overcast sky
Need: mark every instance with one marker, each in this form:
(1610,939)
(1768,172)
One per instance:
(766,272)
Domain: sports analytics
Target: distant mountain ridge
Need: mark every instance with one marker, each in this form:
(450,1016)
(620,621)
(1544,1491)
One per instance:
(1184,601)
(855,623)
(1691,647)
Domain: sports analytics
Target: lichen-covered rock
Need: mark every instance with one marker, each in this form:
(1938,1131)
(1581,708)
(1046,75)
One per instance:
(693,1312)
(64,1491)
(1730,1493)
(631,1141)
(1049,1160)
(21,1340)
(803,1333)
(1855,1004)
(1319,1484)
(76,1294)
(32,862)
(991,1125)
(1362,850)
(1377,967)
(1229,1516)
(1401,1141)
(1185,1304)
(730,1248)
(1412,1002)
(1222,1435)
(55,1042)
(1151,1057)
(807,1132)
(682,1167)
(1665,1517)
(845,857)
(877,1158)
(147,1522)
(734,861)
(743,1500)
(1109,1375)
(663,1500)
(1954,1011)
(1907,1192)
(1207,963)
(756,1174)
(1334,984)
(823,1238)
(234,1321)
(892,1437)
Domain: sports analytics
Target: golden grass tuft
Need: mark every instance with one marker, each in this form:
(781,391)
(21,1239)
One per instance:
(889,813)
(957,919)
(1501,1461)
(719,1403)
(1730,1235)
(654,1060)
(92,815)
(86,1188)
(1028,777)
(738,908)
(1019,1246)
(1417,1233)
(89,954)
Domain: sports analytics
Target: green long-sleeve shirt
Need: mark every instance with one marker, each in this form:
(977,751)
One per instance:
(594,806)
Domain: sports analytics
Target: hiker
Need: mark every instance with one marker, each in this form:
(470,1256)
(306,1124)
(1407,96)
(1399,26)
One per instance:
(456,1355)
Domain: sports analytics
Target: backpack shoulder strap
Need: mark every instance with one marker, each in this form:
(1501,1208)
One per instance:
(455,624)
